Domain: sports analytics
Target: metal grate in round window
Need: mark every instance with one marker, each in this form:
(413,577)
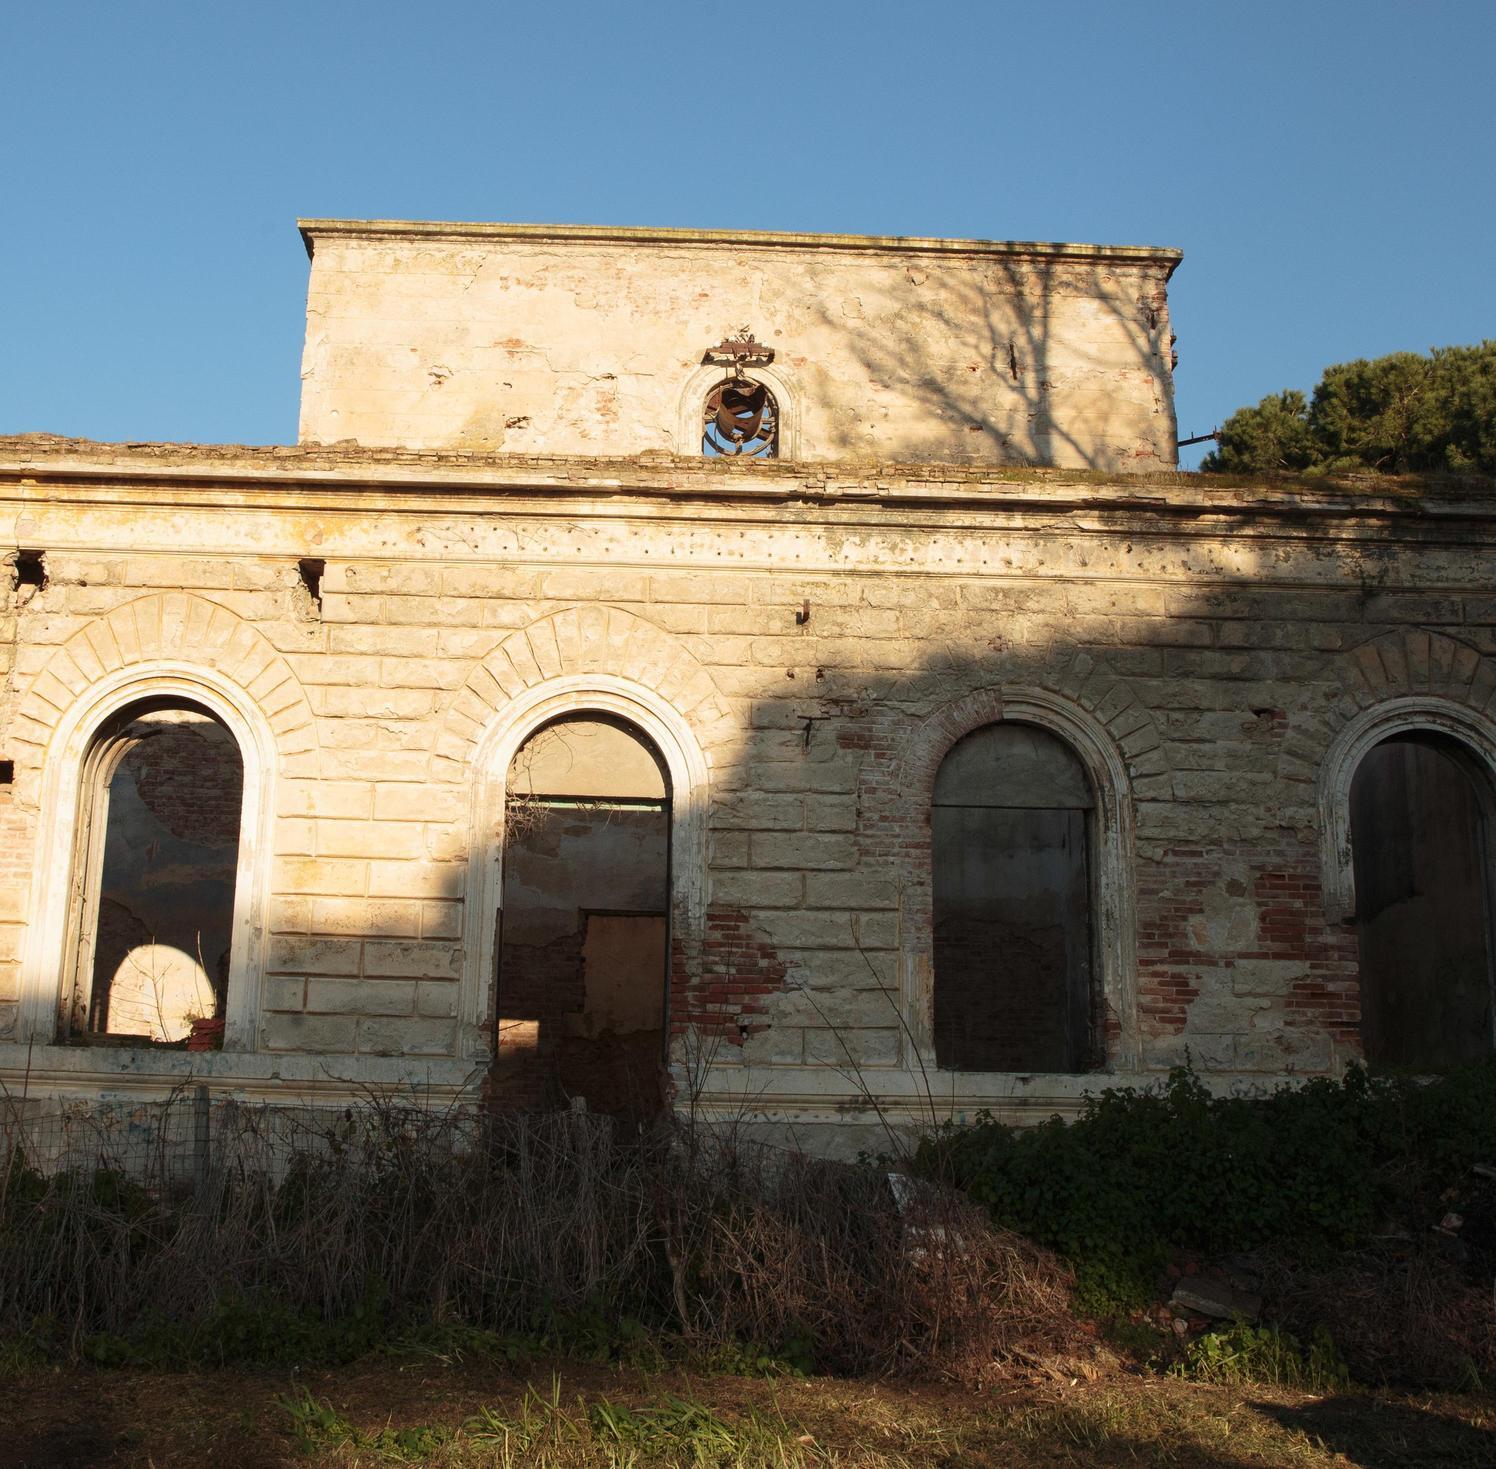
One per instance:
(741,420)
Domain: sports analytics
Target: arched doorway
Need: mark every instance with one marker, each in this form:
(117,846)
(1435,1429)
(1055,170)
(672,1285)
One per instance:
(583,927)
(1420,810)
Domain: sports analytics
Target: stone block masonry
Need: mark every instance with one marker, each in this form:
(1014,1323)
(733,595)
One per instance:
(1208,650)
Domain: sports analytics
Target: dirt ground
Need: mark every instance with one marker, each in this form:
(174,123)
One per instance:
(467,1413)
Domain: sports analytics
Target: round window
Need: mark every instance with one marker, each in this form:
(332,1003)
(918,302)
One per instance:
(741,419)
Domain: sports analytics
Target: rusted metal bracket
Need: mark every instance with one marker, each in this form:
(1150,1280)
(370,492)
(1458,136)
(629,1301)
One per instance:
(736,353)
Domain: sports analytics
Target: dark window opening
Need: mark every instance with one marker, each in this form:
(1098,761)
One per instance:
(31,569)
(1011,829)
(311,569)
(740,420)
(583,932)
(1422,862)
(7,772)
(159,848)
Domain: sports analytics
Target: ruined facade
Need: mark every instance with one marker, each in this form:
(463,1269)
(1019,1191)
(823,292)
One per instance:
(775,676)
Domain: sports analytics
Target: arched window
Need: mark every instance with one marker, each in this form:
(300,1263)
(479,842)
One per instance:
(740,420)
(1011,834)
(158,845)
(1420,809)
(583,932)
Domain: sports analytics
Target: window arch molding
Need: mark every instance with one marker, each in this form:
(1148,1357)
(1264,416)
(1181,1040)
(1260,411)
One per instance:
(66,789)
(656,719)
(1113,913)
(1410,715)
(706,377)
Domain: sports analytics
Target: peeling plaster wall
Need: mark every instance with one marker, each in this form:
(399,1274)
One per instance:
(1210,641)
(586,341)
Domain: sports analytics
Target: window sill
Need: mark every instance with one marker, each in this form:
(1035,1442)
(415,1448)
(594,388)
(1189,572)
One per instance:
(122,1042)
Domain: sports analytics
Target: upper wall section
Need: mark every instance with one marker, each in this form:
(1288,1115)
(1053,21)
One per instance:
(584,340)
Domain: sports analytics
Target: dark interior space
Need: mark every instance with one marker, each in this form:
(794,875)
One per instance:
(1010,828)
(1423,903)
(583,930)
(163,907)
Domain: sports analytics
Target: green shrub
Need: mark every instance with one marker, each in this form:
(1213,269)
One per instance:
(1395,414)
(1141,1174)
(238,1332)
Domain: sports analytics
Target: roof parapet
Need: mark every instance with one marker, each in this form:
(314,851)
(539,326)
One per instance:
(392,229)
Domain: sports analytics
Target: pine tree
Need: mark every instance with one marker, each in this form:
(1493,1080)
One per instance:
(1395,414)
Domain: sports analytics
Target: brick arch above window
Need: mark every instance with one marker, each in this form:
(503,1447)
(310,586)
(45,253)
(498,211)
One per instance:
(1420,662)
(576,643)
(1408,664)
(597,659)
(167,645)
(176,630)
(1088,684)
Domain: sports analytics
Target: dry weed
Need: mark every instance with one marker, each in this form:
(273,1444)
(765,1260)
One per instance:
(1411,1318)
(391,1211)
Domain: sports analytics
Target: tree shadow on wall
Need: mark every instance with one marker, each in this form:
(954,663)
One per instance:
(1217,694)
(1012,312)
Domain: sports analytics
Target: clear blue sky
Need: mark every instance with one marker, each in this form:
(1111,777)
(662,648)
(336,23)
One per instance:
(1328,166)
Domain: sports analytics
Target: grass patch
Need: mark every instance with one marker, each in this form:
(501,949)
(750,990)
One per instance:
(387,1412)
(542,1429)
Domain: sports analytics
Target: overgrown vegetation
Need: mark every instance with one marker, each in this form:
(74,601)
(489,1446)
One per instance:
(1399,1313)
(297,1237)
(306,1236)
(1394,414)
(1307,1175)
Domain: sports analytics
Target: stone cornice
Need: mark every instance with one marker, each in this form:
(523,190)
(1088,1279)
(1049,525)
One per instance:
(348,478)
(635,237)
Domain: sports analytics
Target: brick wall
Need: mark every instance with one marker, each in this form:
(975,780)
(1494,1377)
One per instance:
(190,778)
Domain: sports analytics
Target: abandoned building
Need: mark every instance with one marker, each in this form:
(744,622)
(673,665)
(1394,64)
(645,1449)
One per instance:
(781,677)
